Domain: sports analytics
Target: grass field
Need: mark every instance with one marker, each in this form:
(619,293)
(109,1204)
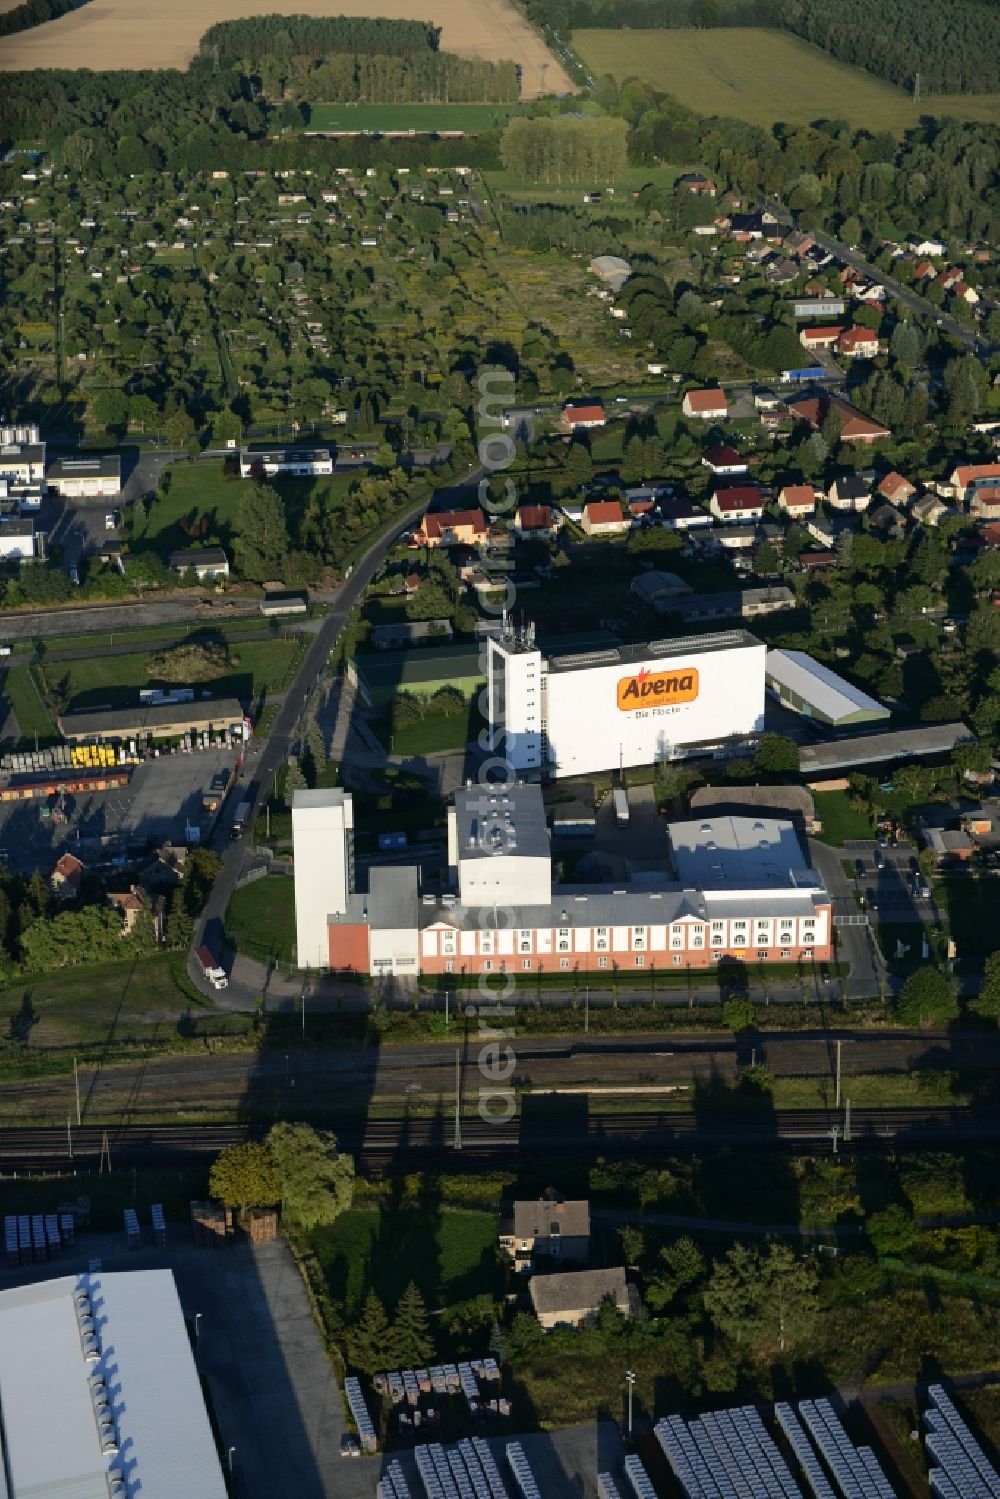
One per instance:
(260,919)
(764,76)
(840,820)
(424,118)
(31,713)
(450,1255)
(113,681)
(132,34)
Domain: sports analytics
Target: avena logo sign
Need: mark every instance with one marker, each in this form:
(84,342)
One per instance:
(651,689)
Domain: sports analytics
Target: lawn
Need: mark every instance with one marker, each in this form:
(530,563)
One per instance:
(255,666)
(431,734)
(141,999)
(261,918)
(840,820)
(732,71)
(31,713)
(203,490)
(450,1254)
(423,118)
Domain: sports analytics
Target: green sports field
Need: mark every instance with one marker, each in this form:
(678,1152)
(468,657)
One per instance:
(423,118)
(765,76)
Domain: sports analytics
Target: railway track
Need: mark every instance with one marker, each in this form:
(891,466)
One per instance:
(405,1138)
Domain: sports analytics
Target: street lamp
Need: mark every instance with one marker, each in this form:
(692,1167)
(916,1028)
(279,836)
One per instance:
(630,1381)
(197,1328)
(231,1451)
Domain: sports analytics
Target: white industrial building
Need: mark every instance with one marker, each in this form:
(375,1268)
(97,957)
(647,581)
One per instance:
(99,1394)
(323,837)
(626,706)
(805,685)
(299,463)
(731,887)
(91,476)
(22,467)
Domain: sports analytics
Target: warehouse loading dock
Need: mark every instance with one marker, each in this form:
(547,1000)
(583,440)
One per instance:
(153,721)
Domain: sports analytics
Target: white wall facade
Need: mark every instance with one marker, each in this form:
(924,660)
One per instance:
(322,835)
(504,880)
(514,686)
(588,730)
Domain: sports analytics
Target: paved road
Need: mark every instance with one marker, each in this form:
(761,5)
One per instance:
(265,758)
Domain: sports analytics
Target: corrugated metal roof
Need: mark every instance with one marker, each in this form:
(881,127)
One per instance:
(164,1436)
(817,685)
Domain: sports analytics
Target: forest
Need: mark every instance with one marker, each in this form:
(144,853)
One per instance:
(565,150)
(953,44)
(257,37)
(35,13)
(387,78)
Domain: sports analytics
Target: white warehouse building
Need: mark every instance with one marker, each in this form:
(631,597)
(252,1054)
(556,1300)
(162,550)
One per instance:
(626,706)
(300,463)
(323,835)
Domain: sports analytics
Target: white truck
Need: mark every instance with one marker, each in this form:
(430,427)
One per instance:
(620,799)
(216,976)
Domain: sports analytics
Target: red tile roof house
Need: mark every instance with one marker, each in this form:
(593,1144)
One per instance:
(820,338)
(950,277)
(64,881)
(740,502)
(924,271)
(604,518)
(896,489)
(797,499)
(814,562)
(450,528)
(855,426)
(580,417)
(705,405)
(129,904)
(858,343)
(722,459)
(637,508)
(968,477)
(534,520)
(702,187)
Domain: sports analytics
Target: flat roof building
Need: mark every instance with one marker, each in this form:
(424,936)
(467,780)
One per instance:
(808,687)
(151,720)
(98,1381)
(300,463)
(876,749)
(90,476)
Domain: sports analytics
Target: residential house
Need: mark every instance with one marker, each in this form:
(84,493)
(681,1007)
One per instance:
(966,478)
(781,272)
(817,561)
(918,246)
(930,510)
(548,1228)
(129,904)
(640,507)
(681,515)
(209,563)
(797,499)
(723,459)
(697,183)
(849,492)
(886,521)
(603,518)
(855,426)
(582,416)
(821,338)
(924,271)
(612,270)
(705,405)
(737,538)
(574,1298)
(738,502)
(535,520)
(745,604)
(858,343)
(448,528)
(896,489)
(949,277)
(822,304)
(966,292)
(797,242)
(64,881)
(985,503)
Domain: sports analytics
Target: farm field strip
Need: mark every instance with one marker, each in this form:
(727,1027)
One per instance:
(732,71)
(131,34)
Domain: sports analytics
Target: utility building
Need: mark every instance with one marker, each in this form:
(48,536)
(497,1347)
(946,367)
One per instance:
(323,835)
(812,689)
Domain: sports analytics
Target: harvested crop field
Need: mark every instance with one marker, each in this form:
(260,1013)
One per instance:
(136,34)
(732,71)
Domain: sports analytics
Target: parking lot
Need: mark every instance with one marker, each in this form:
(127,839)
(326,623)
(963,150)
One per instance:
(889,881)
(163,796)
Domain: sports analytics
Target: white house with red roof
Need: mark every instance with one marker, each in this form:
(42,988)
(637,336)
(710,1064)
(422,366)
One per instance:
(705,405)
(535,520)
(737,502)
(604,518)
(451,528)
(896,489)
(582,416)
(820,338)
(966,478)
(797,499)
(858,343)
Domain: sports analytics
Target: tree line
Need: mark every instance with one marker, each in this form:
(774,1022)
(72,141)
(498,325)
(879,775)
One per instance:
(384,78)
(952,44)
(253,38)
(35,13)
(565,150)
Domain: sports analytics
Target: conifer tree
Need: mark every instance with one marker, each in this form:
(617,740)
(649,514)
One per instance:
(371,1345)
(411,1330)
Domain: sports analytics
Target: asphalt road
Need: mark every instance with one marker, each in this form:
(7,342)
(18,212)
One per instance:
(265,758)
